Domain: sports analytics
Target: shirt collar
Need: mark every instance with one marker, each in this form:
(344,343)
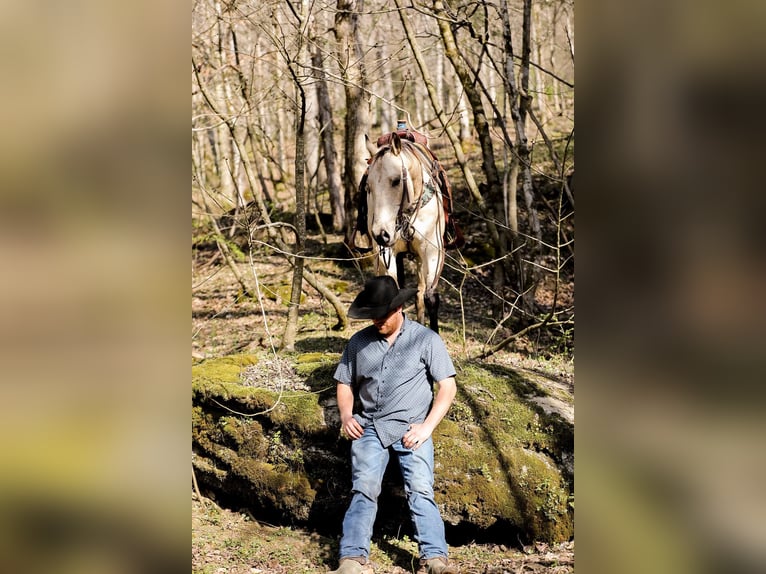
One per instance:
(405,322)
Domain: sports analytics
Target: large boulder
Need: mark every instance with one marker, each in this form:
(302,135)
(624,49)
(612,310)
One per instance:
(266,438)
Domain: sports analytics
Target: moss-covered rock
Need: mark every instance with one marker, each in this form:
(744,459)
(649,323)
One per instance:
(276,449)
(496,458)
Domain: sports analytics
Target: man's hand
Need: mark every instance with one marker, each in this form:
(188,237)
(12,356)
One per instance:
(348,425)
(416,435)
(419,433)
(351,428)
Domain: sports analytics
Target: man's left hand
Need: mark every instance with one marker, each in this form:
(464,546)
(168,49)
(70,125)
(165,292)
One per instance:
(416,435)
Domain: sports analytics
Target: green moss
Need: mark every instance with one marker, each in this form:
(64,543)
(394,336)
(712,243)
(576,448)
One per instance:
(224,369)
(218,381)
(318,369)
(277,486)
(490,457)
(299,412)
(246,435)
(339,286)
(280,293)
(308,363)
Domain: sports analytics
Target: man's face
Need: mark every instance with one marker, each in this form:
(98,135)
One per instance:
(388,324)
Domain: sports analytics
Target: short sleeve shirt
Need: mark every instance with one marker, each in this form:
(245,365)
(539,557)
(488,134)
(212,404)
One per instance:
(393,384)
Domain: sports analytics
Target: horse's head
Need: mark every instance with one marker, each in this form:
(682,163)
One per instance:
(390,186)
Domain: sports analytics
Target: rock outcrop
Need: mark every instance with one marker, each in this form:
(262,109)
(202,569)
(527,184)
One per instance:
(265,438)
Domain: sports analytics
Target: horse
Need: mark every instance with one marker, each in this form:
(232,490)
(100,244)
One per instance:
(405,215)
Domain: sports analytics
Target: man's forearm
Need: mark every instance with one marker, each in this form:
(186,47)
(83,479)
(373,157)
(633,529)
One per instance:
(442,402)
(345,400)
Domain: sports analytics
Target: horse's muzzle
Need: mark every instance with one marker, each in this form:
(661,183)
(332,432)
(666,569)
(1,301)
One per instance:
(384,239)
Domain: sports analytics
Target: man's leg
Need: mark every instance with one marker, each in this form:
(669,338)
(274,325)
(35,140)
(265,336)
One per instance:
(417,468)
(368,463)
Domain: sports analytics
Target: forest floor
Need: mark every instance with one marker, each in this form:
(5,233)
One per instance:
(232,541)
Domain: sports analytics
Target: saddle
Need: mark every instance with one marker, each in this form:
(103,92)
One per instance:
(453,234)
(405,134)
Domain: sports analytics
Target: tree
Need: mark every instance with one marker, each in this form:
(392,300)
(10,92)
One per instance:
(327,136)
(351,61)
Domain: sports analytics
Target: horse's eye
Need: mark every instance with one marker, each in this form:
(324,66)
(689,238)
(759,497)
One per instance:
(396,181)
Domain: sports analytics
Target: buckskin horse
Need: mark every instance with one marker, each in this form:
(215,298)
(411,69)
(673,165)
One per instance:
(405,190)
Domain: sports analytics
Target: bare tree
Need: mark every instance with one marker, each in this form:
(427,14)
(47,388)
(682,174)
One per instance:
(327,137)
(469,82)
(351,61)
(293,63)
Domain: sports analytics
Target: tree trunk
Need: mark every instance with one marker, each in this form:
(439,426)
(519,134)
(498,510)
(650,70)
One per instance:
(388,116)
(288,341)
(291,328)
(223,138)
(462,112)
(311,146)
(525,102)
(513,176)
(353,73)
(327,135)
(474,99)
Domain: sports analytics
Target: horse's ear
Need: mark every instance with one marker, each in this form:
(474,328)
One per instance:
(371,147)
(396,143)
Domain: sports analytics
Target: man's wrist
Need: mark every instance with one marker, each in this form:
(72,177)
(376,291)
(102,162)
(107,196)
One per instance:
(428,426)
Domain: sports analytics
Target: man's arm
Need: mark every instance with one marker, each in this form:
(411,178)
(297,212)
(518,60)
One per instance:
(419,433)
(348,424)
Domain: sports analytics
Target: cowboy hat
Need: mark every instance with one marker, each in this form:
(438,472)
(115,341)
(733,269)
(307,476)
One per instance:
(379,297)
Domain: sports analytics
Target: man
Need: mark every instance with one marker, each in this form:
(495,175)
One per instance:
(386,403)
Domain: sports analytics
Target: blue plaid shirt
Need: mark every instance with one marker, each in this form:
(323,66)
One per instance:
(393,384)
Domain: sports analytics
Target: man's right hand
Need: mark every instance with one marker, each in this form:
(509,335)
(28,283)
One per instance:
(350,427)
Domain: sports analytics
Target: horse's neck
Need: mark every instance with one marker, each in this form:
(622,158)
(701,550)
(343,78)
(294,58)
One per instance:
(425,155)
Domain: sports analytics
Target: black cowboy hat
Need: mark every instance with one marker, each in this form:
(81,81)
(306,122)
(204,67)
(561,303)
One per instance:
(379,297)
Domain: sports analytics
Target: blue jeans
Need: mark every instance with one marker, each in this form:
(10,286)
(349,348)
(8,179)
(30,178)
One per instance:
(368,463)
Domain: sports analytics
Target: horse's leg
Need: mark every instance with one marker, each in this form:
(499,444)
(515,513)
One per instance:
(432,306)
(420,306)
(429,271)
(400,269)
(391,259)
(424,298)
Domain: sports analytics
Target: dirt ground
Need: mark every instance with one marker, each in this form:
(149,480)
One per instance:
(227,542)
(223,322)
